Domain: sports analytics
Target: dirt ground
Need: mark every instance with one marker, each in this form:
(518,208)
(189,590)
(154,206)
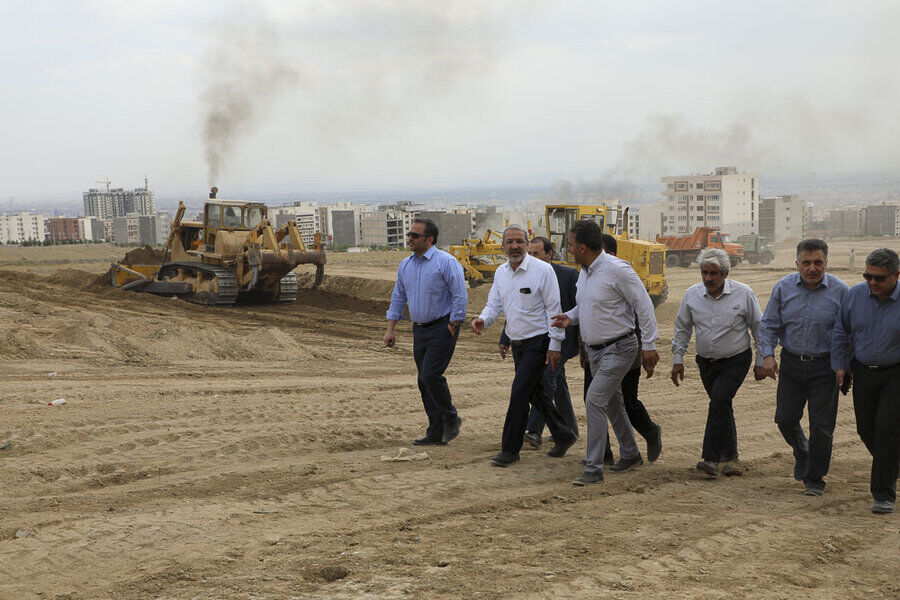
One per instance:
(236,453)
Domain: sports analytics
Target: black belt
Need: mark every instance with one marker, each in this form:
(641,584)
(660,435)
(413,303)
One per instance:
(519,343)
(877,367)
(807,357)
(443,319)
(611,342)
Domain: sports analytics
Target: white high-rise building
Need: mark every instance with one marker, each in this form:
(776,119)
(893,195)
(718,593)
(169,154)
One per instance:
(23,227)
(724,198)
(117,202)
(307,216)
(781,218)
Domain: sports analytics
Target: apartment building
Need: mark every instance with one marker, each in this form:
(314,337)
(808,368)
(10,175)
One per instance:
(781,218)
(846,222)
(882,220)
(64,229)
(110,203)
(307,216)
(22,227)
(725,198)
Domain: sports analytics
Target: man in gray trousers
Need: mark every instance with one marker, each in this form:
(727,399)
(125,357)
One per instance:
(609,296)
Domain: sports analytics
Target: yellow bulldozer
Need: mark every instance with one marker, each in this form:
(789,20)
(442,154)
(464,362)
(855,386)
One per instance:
(647,258)
(480,257)
(235,251)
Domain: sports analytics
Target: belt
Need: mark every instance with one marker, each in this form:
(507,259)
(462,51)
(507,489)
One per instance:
(877,367)
(518,343)
(808,357)
(443,319)
(611,342)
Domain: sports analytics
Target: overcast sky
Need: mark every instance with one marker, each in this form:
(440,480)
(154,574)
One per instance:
(380,95)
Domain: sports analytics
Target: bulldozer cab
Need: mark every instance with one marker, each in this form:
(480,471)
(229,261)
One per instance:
(230,215)
(561,217)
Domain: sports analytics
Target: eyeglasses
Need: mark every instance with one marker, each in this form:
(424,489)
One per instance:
(414,235)
(877,278)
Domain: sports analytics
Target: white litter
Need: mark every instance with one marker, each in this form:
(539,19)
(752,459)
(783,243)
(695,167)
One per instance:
(404,455)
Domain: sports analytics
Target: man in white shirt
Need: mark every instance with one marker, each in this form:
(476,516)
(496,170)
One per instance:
(525,289)
(609,296)
(724,314)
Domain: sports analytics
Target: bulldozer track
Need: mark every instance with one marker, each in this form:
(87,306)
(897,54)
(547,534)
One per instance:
(287,290)
(226,283)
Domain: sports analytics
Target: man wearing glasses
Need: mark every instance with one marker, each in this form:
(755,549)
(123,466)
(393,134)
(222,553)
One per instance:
(525,289)
(724,314)
(866,343)
(431,283)
(800,316)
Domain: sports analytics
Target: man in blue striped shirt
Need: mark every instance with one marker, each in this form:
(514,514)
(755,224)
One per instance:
(432,284)
(867,340)
(800,316)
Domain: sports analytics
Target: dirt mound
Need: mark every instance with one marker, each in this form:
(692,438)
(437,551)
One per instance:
(145,255)
(356,287)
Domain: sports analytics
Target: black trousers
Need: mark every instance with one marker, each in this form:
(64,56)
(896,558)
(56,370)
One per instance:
(810,383)
(634,408)
(433,348)
(722,378)
(528,389)
(876,402)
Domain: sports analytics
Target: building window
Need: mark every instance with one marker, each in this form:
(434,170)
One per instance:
(681,186)
(713,185)
(700,186)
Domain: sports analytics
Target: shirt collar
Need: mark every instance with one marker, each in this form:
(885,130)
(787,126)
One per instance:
(726,289)
(601,258)
(429,253)
(525,262)
(895,295)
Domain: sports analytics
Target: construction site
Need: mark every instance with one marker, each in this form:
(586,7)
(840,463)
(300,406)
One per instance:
(239,452)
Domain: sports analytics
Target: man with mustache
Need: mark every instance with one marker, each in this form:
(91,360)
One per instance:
(800,316)
(525,289)
(724,313)
(866,340)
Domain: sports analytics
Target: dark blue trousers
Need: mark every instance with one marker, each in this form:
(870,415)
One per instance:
(558,389)
(810,383)
(722,378)
(433,348)
(876,402)
(528,389)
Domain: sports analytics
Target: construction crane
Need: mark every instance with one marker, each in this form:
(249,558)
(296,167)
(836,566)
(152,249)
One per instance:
(107,182)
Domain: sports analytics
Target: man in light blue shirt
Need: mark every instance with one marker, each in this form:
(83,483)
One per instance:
(432,284)
(800,316)
(867,340)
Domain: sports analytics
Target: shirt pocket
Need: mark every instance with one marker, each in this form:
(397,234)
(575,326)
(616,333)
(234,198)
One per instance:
(531,303)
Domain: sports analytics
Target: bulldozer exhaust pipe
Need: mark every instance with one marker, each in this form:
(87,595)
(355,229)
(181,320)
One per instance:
(213,192)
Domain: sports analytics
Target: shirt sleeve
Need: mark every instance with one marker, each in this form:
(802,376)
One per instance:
(840,336)
(550,294)
(494,306)
(398,298)
(632,289)
(771,323)
(754,319)
(459,297)
(684,328)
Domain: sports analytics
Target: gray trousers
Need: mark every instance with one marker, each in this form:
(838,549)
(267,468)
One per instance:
(604,402)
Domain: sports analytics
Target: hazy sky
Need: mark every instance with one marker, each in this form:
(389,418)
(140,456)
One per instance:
(374,95)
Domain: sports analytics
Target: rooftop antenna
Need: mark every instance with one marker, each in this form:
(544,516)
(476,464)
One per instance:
(146,183)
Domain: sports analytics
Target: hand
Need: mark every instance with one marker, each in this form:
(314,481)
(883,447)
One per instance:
(389,339)
(844,380)
(561,321)
(582,358)
(477,326)
(503,351)
(452,327)
(677,374)
(553,357)
(768,369)
(649,358)
(758,374)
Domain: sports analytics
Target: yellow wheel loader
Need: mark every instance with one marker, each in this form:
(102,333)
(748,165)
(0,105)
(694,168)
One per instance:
(234,251)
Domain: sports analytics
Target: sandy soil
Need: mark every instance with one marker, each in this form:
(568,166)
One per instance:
(236,453)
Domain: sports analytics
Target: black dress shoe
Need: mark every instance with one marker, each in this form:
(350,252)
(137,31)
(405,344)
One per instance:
(533,439)
(559,450)
(654,445)
(451,431)
(504,459)
(625,464)
(429,441)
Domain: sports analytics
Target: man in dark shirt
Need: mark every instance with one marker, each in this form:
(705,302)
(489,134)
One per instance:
(866,343)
